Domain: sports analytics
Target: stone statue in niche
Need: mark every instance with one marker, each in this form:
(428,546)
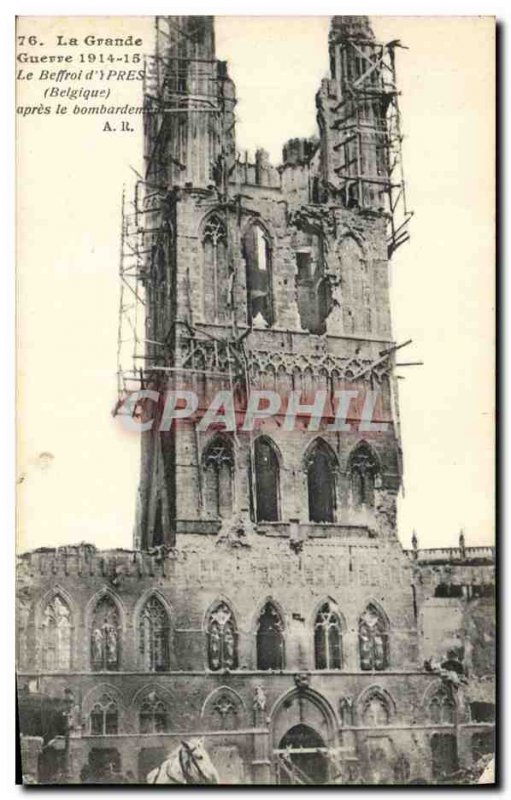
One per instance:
(259,700)
(111,644)
(97,645)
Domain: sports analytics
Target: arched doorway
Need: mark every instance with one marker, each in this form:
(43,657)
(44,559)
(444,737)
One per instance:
(301,757)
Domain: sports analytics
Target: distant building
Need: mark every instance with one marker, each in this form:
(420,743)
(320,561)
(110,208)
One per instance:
(267,603)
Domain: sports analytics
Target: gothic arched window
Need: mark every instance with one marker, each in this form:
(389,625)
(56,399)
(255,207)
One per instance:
(442,708)
(321,465)
(375,712)
(257,255)
(222,639)
(154,636)
(363,469)
(218,463)
(153,715)
(373,640)
(270,639)
(105,636)
(104,717)
(266,480)
(216,270)
(56,634)
(327,638)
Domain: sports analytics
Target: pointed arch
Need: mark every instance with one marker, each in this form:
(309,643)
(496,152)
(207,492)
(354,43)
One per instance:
(350,251)
(219,691)
(328,631)
(373,638)
(304,705)
(153,622)
(270,641)
(257,251)
(375,707)
(56,589)
(102,709)
(218,465)
(224,708)
(267,461)
(363,470)
(105,591)
(153,705)
(221,636)
(150,688)
(214,238)
(441,705)
(55,622)
(321,467)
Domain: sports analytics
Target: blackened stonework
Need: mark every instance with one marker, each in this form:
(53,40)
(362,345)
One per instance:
(267,603)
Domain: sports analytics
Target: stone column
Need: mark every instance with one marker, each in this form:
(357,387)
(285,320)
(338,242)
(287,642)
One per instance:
(261,762)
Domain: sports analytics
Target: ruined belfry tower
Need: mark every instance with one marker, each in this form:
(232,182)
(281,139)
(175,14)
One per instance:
(267,603)
(271,278)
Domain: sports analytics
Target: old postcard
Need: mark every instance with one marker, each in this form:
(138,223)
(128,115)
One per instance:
(255,271)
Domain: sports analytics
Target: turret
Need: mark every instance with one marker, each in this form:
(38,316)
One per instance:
(189,100)
(352,105)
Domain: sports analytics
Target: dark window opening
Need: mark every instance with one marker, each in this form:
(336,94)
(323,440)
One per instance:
(302,757)
(445,755)
(312,291)
(304,266)
(103,766)
(270,639)
(257,255)
(482,590)
(321,484)
(267,481)
(448,590)
(482,712)
(363,468)
(483,744)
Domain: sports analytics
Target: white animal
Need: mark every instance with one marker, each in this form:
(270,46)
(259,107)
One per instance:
(188,763)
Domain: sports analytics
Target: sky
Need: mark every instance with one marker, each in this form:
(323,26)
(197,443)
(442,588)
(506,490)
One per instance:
(78,469)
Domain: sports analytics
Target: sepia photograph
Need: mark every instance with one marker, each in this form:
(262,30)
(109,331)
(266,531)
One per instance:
(255,279)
